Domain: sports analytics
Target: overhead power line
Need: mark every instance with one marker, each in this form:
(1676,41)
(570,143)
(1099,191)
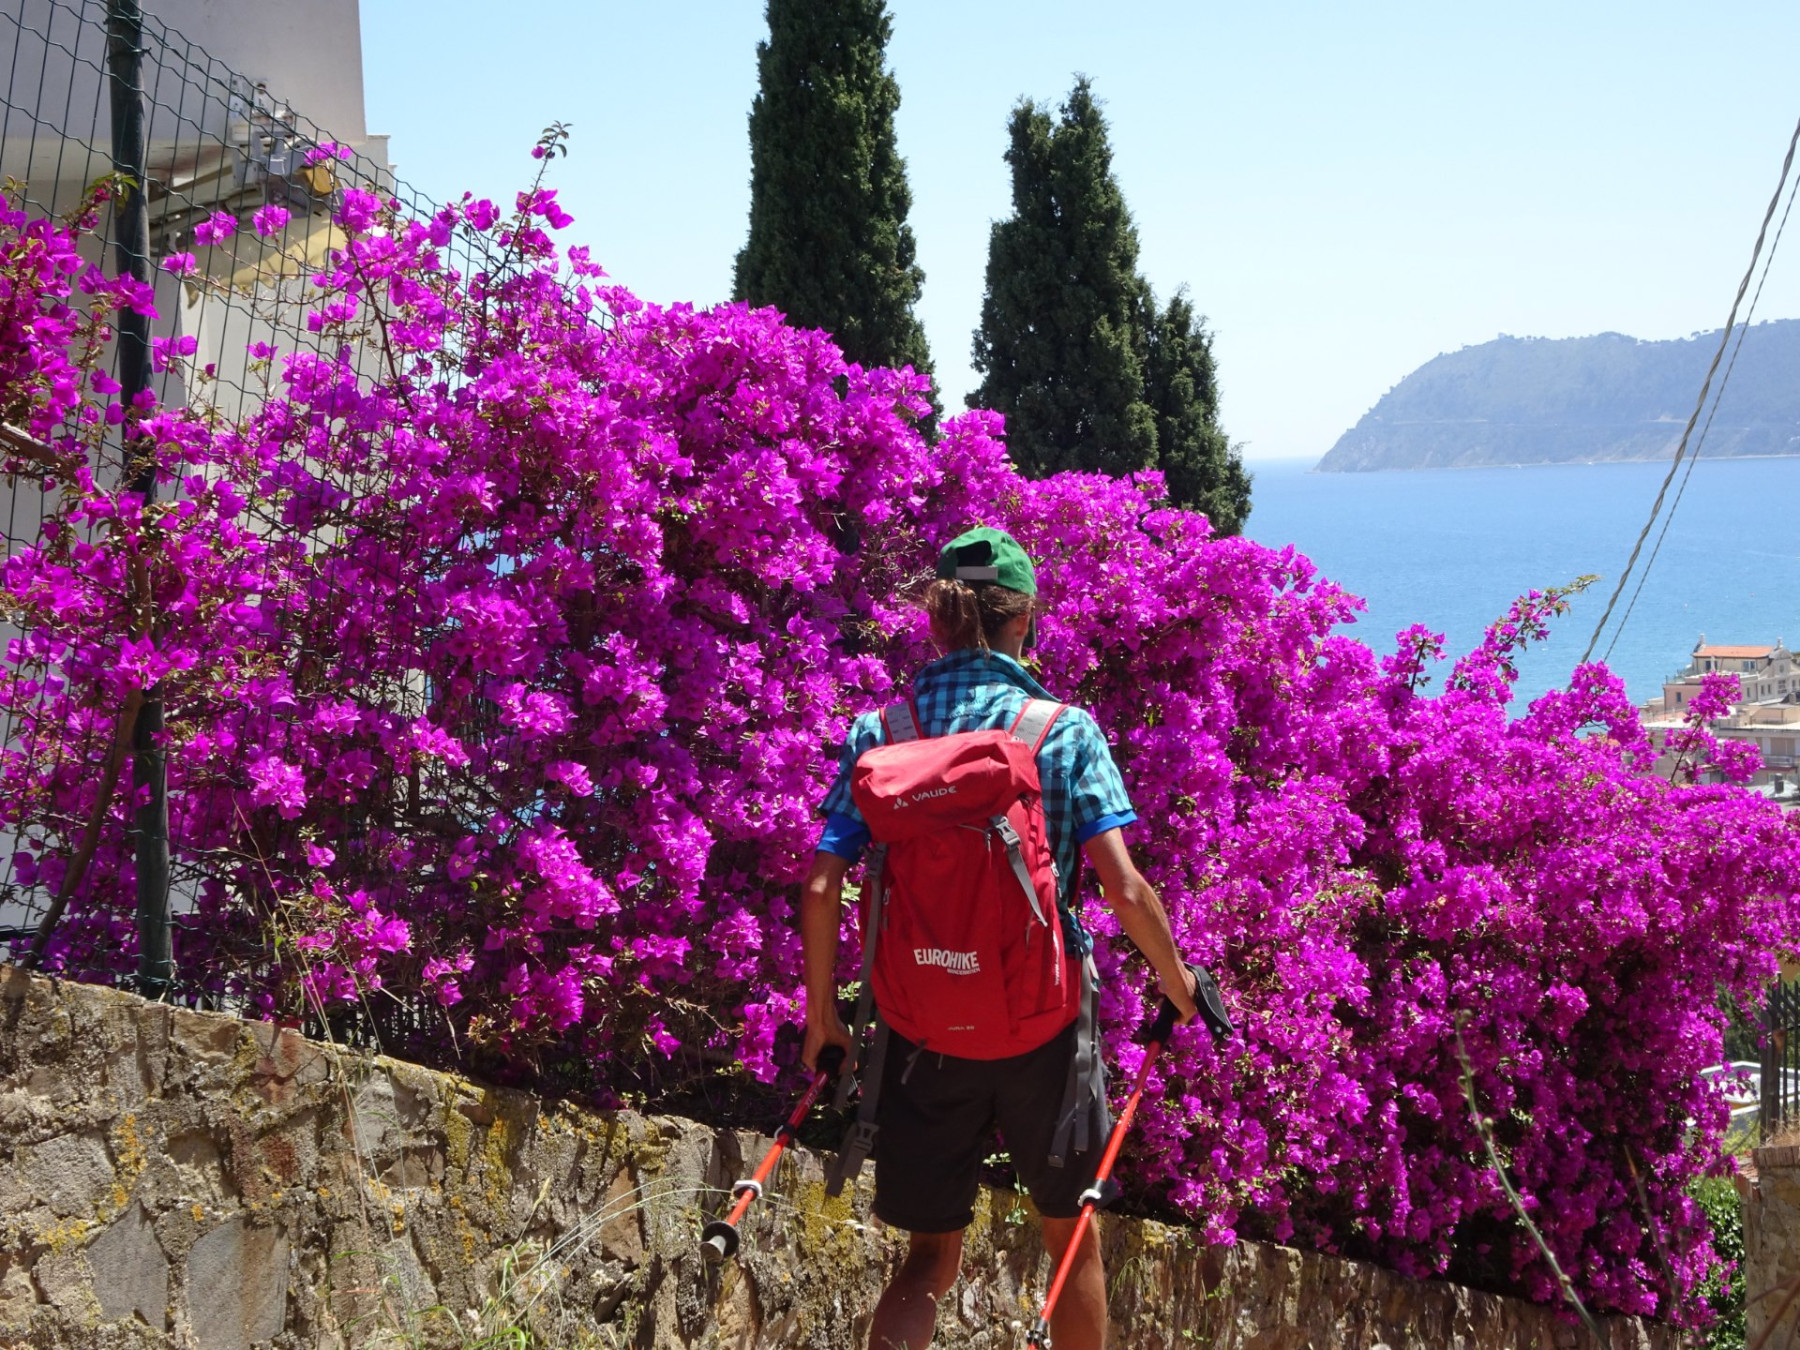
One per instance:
(1718,397)
(1662,493)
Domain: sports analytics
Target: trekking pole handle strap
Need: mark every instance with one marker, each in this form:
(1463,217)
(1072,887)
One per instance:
(1210,1003)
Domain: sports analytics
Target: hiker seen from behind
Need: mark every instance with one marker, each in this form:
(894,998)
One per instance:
(975,802)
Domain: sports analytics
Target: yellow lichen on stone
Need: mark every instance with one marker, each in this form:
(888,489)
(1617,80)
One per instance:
(498,1141)
(199,1213)
(827,1223)
(132,1155)
(984,1210)
(64,1235)
(241,1072)
(459,1135)
(649,1151)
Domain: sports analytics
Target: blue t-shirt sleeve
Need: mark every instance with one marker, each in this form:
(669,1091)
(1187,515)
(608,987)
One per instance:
(1116,821)
(846,833)
(844,836)
(1098,801)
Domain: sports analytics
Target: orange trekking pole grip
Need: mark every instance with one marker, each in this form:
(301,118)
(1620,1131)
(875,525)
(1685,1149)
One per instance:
(721,1235)
(1105,1190)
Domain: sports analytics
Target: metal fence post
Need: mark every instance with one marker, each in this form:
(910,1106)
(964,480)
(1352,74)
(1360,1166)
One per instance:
(1771,1082)
(131,253)
(1779,1055)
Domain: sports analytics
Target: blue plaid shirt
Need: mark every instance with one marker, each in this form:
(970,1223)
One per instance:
(973,690)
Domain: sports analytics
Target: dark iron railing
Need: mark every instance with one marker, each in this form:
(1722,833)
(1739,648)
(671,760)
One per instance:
(1780,1093)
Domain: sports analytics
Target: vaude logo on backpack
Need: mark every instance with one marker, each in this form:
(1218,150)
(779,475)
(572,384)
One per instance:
(925,795)
(969,957)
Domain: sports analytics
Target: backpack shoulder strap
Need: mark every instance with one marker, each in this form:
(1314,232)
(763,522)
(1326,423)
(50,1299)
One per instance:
(1035,720)
(900,723)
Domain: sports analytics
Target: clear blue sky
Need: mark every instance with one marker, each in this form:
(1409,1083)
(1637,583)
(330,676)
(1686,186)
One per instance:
(1347,190)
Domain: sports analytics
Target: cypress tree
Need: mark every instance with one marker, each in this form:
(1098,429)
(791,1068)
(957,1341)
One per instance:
(829,245)
(1061,345)
(1203,470)
(1072,347)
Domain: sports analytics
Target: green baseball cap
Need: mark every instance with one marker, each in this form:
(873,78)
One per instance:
(987,554)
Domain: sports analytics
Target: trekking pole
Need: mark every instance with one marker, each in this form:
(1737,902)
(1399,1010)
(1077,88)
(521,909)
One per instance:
(721,1235)
(1105,1190)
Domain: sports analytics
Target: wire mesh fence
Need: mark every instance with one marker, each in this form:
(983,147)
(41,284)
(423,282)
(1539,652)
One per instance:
(218,194)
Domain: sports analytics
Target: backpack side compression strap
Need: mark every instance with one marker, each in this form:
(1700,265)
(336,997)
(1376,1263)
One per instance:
(1084,1098)
(876,881)
(859,1143)
(899,724)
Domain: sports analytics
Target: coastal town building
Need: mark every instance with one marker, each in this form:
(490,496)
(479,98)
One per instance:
(246,145)
(1766,715)
(227,130)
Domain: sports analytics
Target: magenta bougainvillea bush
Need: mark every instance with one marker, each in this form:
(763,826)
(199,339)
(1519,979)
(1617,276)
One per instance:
(502,678)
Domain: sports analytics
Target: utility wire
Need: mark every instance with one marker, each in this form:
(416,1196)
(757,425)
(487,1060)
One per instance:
(1699,445)
(1700,403)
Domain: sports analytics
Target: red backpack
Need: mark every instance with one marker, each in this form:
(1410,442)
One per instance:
(963,949)
(969,958)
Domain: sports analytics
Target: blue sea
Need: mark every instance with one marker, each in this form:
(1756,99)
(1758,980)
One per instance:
(1452,548)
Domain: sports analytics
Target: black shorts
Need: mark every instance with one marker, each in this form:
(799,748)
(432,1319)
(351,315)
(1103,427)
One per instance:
(936,1127)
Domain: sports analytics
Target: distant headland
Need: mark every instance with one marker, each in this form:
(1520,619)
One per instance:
(1579,400)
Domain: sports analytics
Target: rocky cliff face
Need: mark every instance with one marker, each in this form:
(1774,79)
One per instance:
(181,1179)
(1579,400)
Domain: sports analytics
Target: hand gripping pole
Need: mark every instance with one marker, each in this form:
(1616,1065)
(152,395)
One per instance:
(1105,1190)
(720,1237)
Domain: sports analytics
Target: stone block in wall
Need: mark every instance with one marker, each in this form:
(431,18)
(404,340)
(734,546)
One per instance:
(237,1281)
(187,1181)
(131,1270)
(1772,1244)
(69,1173)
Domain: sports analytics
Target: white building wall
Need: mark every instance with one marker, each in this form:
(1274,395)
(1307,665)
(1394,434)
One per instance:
(308,52)
(214,140)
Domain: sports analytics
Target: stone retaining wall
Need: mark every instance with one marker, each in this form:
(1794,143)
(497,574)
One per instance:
(1772,1244)
(180,1179)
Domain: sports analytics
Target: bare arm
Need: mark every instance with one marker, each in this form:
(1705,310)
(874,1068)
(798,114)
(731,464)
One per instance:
(821,904)
(1140,913)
